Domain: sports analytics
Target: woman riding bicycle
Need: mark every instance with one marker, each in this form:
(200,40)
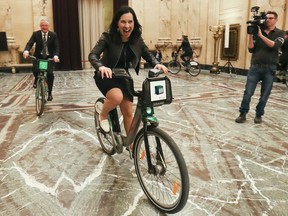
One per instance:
(186,47)
(121,47)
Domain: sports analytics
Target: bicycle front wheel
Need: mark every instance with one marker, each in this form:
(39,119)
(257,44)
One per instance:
(194,68)
(167,184)
(106,140)
(174,67)
(40,97)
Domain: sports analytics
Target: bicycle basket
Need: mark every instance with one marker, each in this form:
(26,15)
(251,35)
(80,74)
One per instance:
(43,65)
(157,91)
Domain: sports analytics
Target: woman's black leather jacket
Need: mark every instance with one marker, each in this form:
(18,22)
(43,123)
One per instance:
(111,53)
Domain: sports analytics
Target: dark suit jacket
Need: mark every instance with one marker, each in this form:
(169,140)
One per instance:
(52,44)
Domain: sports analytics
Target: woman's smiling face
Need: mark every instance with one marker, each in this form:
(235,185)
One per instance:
(126,26)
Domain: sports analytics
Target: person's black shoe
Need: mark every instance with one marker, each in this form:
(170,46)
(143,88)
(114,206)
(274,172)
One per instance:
(258,119)
(241,118)
(50,98)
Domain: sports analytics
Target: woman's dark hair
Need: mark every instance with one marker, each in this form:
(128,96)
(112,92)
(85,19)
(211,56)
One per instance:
(185,38)
(113,28)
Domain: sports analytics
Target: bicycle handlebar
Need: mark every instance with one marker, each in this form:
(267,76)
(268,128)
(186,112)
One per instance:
(33,57)
(154,72)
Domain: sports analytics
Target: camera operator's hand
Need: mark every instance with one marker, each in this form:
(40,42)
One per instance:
(266,40)
(259,32)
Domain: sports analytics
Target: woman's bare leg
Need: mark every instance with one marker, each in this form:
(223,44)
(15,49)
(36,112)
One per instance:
(114,97)
(126,108)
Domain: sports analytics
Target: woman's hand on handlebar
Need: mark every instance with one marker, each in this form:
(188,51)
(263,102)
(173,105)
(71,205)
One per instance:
(105,72)
(162,68)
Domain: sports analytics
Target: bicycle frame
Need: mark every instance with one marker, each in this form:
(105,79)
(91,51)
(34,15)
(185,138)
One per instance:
(143,113)
(175,56)
(43,66)
(41,78)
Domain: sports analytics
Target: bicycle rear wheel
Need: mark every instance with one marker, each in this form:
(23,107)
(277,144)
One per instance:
(167,186)
(40,97)
(106,140)
(194,68)
(174,67)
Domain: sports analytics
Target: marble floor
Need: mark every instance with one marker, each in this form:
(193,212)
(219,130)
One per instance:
(53,165)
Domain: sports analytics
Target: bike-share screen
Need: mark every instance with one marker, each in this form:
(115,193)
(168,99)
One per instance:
(158,90)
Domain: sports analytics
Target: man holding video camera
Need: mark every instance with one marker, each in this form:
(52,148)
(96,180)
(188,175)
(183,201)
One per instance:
(264,47)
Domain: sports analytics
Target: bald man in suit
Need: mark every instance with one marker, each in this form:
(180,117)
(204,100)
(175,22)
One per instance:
(51,51)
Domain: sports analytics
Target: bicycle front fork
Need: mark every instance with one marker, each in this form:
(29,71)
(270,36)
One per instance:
(152,169)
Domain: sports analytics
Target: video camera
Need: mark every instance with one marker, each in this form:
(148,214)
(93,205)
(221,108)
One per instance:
(259,19)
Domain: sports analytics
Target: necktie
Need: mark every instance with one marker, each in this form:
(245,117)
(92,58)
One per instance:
(44,51)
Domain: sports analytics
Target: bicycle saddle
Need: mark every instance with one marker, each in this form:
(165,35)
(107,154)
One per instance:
(120,73)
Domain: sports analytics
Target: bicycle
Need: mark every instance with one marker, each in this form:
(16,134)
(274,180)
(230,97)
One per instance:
(163,48)
(41,85)
(190,66)
(165,59)
(159,164)
(282,75)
